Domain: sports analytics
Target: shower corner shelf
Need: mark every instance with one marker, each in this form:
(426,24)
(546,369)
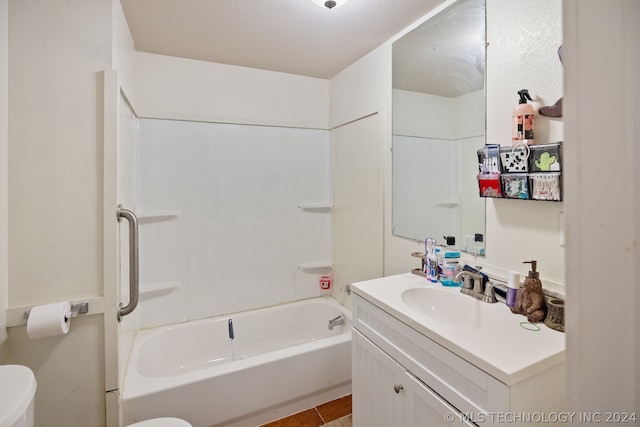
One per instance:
(448,204)
(316,207)
(156,216)
(158,289)
(325,264)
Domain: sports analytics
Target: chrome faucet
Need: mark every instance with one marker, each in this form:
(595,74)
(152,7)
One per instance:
(340,320)
(472,285)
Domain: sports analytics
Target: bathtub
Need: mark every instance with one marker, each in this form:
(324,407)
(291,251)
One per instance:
(282,360)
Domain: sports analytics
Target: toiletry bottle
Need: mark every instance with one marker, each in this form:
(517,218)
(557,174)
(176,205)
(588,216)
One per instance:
(425,263)
(522,119)
(438,271)
(513,284)
(450,268)
(432,261)
(478,244)
(451,241)
(428,248)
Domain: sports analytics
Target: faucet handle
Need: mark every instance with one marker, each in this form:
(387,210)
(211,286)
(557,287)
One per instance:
(467,280)
(489,294)
(478,288)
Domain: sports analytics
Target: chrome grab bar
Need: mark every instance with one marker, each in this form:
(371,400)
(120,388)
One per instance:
(134,277)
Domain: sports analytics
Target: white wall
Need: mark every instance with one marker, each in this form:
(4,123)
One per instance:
(522,54)
(55,59)
(4,69)
(53,109)
(181,89)
(357,230)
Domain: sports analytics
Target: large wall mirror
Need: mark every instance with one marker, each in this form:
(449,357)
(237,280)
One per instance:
(439,124)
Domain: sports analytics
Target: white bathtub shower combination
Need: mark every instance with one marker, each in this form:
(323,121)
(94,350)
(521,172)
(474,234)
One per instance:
(282,359)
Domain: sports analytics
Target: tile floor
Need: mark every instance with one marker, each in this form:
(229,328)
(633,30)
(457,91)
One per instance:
(341,422)
(336,413)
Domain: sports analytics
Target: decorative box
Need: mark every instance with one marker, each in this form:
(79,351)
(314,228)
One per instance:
(545,157)
(515,186)
(489,184)
(489,159)
(515,159)
(546,186)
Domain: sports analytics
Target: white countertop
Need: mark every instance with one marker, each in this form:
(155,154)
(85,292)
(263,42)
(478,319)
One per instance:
(505,350)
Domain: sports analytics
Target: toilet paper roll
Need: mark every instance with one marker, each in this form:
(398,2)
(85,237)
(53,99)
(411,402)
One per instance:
(49,320)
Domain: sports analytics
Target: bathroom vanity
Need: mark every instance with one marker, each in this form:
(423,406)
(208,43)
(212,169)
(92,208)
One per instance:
(424,354)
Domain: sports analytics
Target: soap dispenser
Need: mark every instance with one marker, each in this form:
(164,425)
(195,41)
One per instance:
(531,300)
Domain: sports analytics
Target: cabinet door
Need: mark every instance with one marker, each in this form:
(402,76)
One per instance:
(424,408)
(385,394)
(376,384)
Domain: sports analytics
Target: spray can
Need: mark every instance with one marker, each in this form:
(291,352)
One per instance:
(522,119)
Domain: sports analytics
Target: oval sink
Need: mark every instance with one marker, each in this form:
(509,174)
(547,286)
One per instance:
(452,308)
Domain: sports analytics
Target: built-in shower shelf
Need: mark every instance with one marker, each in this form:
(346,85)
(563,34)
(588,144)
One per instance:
(316,207)
(148,217)
(157,289)
(448,204)
(316,265)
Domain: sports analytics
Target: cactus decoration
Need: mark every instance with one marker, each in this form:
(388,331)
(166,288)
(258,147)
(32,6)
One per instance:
(545,162)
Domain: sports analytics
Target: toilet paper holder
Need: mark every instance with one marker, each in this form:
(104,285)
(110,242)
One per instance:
(76,309)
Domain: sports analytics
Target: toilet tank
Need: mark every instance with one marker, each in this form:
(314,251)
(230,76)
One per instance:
(17,393)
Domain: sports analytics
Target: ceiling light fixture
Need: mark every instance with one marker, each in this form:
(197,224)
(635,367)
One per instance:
(329,4)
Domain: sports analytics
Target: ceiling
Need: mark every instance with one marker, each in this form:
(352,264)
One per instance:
(290,36)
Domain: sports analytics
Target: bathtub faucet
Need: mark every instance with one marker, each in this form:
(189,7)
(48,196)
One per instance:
(340,320)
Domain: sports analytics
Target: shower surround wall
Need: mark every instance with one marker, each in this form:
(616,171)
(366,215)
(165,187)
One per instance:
(223,223)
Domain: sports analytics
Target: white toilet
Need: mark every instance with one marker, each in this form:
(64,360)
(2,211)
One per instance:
(161,422)
(17,392)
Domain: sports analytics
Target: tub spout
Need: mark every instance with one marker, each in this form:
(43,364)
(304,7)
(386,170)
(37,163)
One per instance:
(340,320)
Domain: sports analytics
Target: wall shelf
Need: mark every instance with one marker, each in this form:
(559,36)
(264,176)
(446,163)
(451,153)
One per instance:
(156,216)
(316,265)
(316,207)
(157,289)
(448,204)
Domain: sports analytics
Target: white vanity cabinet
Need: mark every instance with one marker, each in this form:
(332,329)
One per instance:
(389,395)
(403,378)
